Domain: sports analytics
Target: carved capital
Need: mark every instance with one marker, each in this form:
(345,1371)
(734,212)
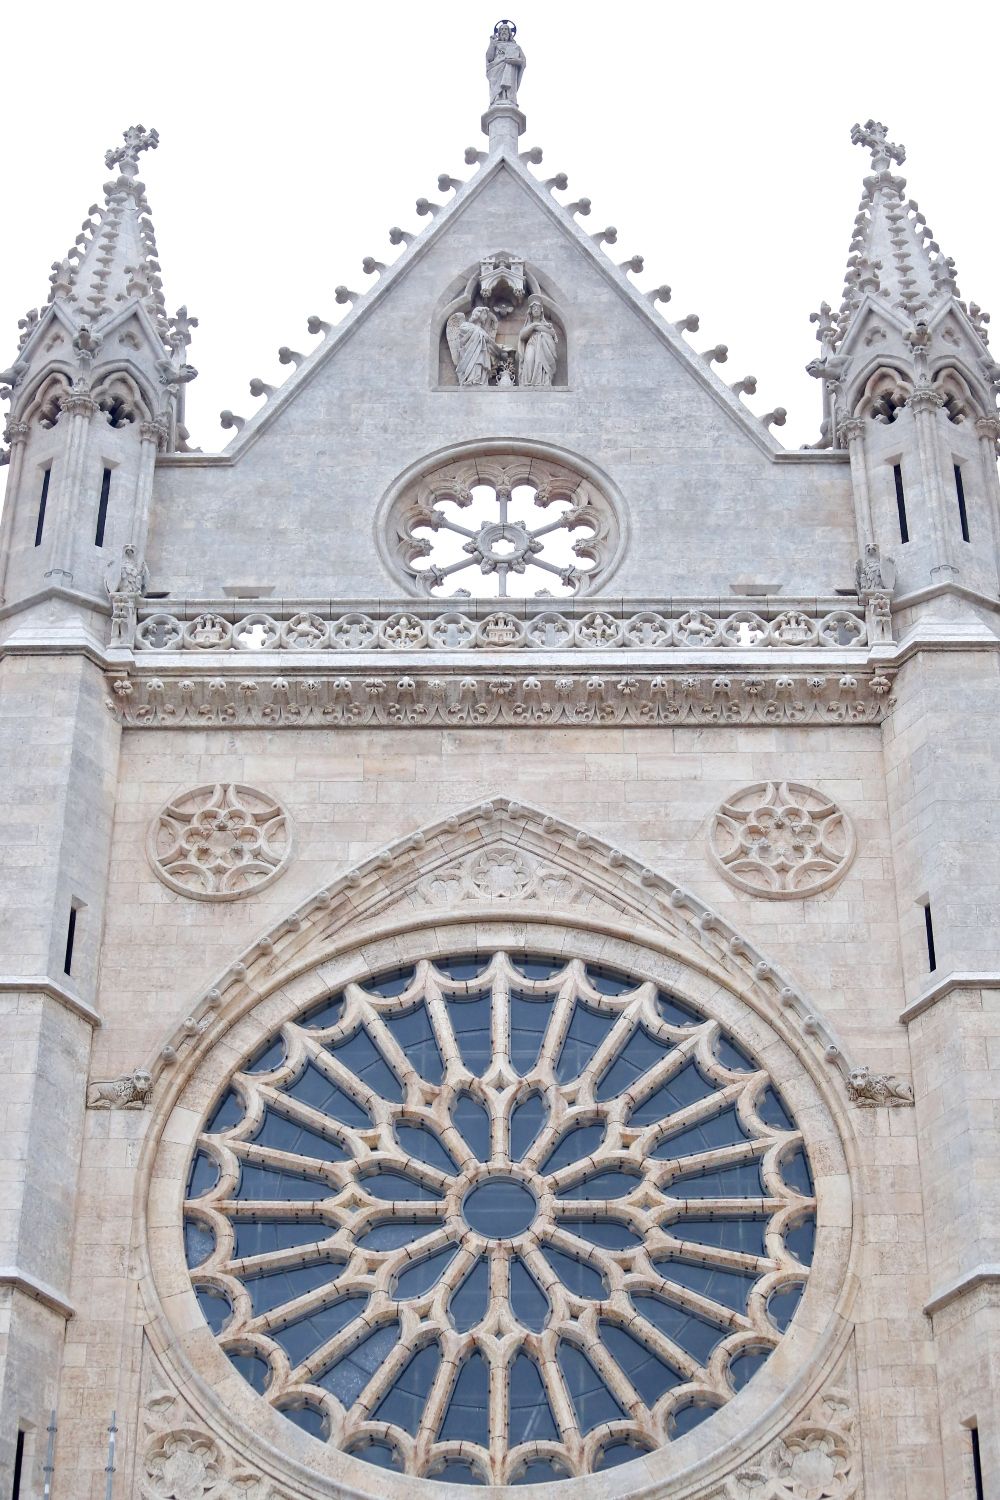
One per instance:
(988,428)
(926,399)
(78,404)
(851,430)
(154,432)
(16,432)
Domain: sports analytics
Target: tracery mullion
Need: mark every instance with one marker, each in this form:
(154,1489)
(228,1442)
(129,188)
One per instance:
(714,1158)
(712,1255)
(661,1072)
(306,1114)
(334,1070)
(337,1173)
(386,1043)
(622,1029)
(691,1114)
(562,1014)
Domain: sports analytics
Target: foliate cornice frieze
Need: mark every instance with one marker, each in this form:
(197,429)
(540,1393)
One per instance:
(568,696)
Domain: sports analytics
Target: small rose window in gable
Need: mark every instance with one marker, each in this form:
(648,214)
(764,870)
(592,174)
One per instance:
(510,526)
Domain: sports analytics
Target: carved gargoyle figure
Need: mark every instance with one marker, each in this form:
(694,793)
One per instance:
(878,1090)
(128,1092)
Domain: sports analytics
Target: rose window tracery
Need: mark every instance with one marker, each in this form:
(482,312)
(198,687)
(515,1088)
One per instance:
(505,526)
(497,1219)
(217,843)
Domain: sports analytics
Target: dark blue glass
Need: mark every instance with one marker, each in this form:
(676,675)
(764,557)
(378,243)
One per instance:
(592,1401)
(531,1418)
(470,1021)
(733,1056)
(576,1274)
(463,968)
(203,1176)
(538,1471)
(199,1242)
(309,1418)
(677,1012)
(686,1418)
(604,1232)
(740,1181)
(499,1208)
(730,1234)
(268,1057)
(608,982)
(382,1455)
(313,1087)
(730,1288)
(574,1146)
(745,1366)
(264,1236)
(640,1053)
(782,1306)
(529,1016)
(801,1240)
(215,1307)
(415,1034)
(328,1012)
(404,1402)
(227,1113)
(473,1124)
(419,1278)
(602,1185)
(686,1087)
(393,1187)
(253,1369)
(393,1233)
(772,1111)
(529,1302)
(360,1054)
(418,1141)
(348,1377)
(457,1471)
(390,985)
(695,1335)
(795,1173)
(467,1416)
(721,1130)
(272,1184)
(587,1030)
(286,1135)
(278,1287)
(470,1300)
(527,1119)
(301,1338)
(533,967)
(616,1454)
(647,1372)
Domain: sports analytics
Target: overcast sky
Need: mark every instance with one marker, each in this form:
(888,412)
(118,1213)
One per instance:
(715,137)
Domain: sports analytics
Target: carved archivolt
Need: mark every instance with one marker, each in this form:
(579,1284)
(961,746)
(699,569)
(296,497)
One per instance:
(781,840)
(885,393)
(220,842)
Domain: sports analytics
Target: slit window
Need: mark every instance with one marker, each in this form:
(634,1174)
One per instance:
(70,939)
(963,514)
(977,1463)
(929,934)
(897,474)
(42,501)
(102,508)
(19,1464)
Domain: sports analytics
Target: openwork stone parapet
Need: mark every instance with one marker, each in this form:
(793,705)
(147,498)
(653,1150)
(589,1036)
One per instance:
(502,630)
(362,699)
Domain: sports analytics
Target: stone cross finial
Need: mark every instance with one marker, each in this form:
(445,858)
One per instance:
(137,138)
(875,135)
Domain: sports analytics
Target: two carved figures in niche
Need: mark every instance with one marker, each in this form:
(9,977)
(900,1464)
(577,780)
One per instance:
(502,334)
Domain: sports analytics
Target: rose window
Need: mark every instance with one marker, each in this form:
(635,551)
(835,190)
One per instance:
(510,526)
(498,1219)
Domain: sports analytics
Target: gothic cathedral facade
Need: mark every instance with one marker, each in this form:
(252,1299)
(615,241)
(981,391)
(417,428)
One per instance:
(499,964)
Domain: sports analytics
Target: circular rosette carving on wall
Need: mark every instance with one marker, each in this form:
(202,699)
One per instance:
(503,1217)
(221,842)
(782,840)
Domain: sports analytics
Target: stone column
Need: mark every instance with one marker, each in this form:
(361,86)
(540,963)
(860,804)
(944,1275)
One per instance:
(988,430)
(852,431)
(153,437)
(925,404)
(78,407)
(17,436)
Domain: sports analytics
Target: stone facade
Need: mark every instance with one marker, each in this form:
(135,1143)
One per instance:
(503,628)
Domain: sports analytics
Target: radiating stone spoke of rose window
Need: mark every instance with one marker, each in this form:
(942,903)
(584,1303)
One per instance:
(499,1220)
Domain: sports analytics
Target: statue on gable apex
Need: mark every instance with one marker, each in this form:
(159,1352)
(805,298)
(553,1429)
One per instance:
(505,63)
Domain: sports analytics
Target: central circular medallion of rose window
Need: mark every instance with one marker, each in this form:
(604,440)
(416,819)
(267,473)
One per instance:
(498,1219)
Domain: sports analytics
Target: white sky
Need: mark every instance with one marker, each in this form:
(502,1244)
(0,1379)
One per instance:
(714,136)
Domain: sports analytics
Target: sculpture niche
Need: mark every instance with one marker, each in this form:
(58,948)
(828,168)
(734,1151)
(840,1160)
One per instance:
(502,332)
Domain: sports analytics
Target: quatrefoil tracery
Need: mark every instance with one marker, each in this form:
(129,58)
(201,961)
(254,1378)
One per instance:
(343,1276)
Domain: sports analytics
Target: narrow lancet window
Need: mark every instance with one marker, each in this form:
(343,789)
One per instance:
(102,508)
(929,933)
(963,514)
(70,940)
(18,1464)
(42,500)
(897,474)
(977,1463)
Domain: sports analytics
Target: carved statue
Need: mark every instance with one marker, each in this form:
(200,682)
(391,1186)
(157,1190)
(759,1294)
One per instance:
(127,574)
(473,345)
(129,1092)
(871,1090)
(874,574)
(536,347)
(505,63)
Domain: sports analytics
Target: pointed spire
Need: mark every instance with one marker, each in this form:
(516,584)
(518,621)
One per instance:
(893,254)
